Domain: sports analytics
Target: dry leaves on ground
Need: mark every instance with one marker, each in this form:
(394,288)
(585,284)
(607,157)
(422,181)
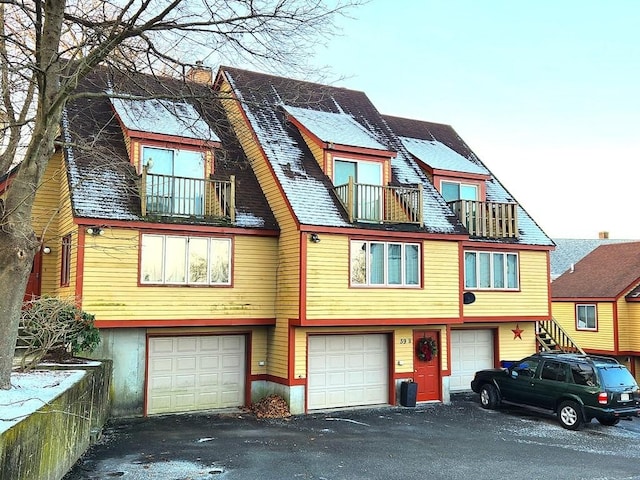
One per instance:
(272,406)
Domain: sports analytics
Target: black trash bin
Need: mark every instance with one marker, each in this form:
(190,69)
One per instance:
(408,393)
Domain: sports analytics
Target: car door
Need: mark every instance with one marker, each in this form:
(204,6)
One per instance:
(551,383)
(518,382)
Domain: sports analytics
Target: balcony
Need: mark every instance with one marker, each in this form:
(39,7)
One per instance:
(381,204)
(487,219)
(169,196)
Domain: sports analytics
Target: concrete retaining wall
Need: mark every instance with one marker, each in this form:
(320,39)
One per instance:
(45,445)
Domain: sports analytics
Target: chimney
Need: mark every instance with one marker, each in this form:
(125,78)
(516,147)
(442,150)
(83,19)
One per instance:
(200,74)
(603,235)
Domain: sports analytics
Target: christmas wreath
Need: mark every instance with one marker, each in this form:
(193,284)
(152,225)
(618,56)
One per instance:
(426,349)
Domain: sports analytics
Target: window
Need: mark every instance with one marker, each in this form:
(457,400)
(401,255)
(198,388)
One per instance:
(175,184)
(452,191)
(178,260)
(491,270)
(368,177)
(583,375)
(556,371)
(586,318)
(65,261)
(385,264)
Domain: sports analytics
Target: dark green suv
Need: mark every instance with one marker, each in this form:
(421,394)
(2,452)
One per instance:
(576,387)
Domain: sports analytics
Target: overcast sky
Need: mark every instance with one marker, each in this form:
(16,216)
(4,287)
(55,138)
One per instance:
(546,92)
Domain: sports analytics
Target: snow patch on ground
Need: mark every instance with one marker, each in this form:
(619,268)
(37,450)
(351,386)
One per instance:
(132,468)
(31,390)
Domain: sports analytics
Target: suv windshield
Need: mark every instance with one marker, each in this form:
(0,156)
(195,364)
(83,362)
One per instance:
(616,376)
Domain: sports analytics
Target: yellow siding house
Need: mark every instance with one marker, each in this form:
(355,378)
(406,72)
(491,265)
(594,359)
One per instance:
(251,234)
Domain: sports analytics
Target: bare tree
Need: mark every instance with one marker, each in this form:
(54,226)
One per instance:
(47,48)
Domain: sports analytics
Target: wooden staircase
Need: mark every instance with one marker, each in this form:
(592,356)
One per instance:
(551,337)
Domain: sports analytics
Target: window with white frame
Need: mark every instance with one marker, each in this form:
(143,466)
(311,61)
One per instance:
(385,264)
(491,270)
(452,191)
(181,260)
(586,318)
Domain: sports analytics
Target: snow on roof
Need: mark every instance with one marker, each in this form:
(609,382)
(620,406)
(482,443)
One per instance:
(340,128)
(307,191)
(163,117)
(437,155)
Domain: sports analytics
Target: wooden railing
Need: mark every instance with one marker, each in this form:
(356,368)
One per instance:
(552,337)
(166,195)
(487,219)
(381,204)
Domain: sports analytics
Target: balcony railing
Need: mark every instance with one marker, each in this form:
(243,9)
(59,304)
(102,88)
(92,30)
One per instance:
(487,219)
(166,195)
(381,204)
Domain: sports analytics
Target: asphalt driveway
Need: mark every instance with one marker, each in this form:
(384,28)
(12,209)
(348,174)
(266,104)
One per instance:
(455,441)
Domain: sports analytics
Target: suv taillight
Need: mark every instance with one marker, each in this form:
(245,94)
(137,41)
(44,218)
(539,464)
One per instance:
(602,398)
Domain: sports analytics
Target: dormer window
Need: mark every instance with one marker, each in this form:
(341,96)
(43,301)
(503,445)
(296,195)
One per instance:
(367,177)
(171,145)
(452,191)
(174,180)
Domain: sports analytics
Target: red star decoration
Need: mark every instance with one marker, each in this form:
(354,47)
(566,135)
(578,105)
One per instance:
(517,332)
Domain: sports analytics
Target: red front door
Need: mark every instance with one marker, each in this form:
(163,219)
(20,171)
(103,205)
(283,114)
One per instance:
(426,373)
(33,284)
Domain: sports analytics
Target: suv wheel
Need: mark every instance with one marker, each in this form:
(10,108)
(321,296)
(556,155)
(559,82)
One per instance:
(609,422)
(489,396)
(569,415)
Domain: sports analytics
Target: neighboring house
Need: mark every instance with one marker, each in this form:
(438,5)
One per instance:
(288,239)
(570,251)
(598,302)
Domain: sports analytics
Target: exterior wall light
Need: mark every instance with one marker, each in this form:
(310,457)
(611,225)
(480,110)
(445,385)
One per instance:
(46,250)
(95,231)
(314,238)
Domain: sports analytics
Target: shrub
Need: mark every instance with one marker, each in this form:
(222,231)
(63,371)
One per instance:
(56,328)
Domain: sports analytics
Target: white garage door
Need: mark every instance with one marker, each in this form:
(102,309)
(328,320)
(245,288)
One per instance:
(471,350)
(195,373)
(347,371)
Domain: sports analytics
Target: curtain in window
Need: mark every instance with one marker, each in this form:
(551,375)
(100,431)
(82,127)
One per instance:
(411,264)
(484,265)
(498,270)
(394,261)
(470,272)
(512,271)
(376,261)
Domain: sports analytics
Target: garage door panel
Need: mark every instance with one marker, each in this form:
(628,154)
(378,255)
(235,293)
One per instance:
(185,364)
(347,370)
(192,373)
(471,350)
(232,343)
(186,344)
(335,362)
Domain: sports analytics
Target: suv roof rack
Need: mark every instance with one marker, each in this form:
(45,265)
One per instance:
(580,356)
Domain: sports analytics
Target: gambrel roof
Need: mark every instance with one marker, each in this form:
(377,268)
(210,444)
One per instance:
(606,273)
(103,182)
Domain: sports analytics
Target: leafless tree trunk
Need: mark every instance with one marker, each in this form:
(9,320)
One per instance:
(46,48)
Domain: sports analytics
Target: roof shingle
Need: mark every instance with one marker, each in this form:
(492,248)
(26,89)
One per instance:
(607,272)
